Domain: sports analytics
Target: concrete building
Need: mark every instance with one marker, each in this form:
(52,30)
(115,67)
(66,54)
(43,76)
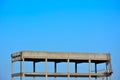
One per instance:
(58,57)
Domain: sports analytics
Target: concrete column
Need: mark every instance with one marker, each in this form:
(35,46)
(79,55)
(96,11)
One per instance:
(68,62)
(106,69)
(34,69)
(89,69)
(76,70)
(95,70)
(55,66)
(110,77)
(110,70)
(22,69)
(46,65)
(12,70)
(102,78)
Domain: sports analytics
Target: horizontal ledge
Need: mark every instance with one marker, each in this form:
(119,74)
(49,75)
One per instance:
(60,60)
(43,74)
(61,55)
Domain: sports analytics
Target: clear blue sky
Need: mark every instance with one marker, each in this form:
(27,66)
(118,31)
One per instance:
(59,25)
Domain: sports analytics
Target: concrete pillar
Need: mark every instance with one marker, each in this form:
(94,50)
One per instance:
(46,65)
(110,77)
(12,69)
(22,69)
(34,69)
(89,69)
(76,70)
(55,66)
(110,70)
(95,70)
(102,78)
(106,69)
(68,62)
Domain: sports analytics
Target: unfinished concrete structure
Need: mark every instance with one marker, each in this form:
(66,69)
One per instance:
(57,57)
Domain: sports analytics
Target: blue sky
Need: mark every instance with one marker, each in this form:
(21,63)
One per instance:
(59,25)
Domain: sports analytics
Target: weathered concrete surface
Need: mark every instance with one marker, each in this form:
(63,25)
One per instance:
(36,56)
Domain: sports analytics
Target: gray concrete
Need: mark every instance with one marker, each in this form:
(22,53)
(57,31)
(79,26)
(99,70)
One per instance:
(57,57)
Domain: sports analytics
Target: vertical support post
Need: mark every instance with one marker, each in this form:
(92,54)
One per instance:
(95,70)
(34,69)
(110,70)
(46,65)
(12,70)
(89,69)
(102,78)
(76,70)
(106,70)
(68,62)
(55,70)
(110,77)
(22,69)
